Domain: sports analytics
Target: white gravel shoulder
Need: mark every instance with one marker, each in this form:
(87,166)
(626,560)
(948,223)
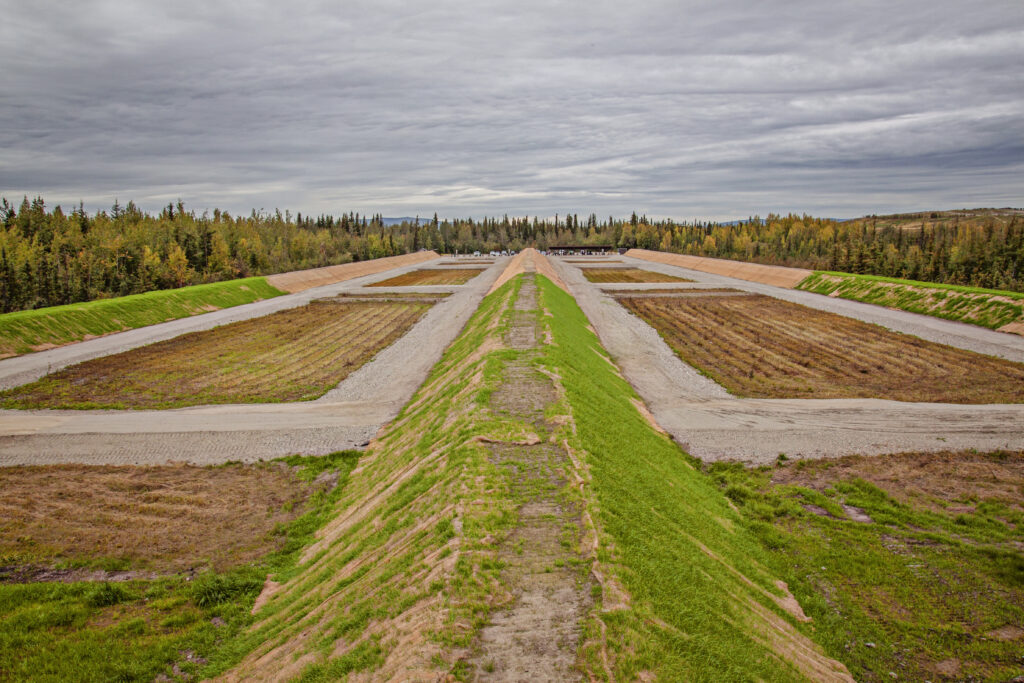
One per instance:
(646,361)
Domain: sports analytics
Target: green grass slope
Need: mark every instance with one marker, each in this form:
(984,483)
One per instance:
(401,581)
(921,588)
(702,606)
(27,331)
(400,578)
(985,307)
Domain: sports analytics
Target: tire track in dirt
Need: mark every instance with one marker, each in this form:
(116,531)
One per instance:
(537,636)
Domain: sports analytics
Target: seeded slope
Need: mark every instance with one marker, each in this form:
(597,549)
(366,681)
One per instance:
(410,577)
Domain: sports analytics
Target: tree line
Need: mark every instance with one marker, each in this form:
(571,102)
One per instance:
(50,257)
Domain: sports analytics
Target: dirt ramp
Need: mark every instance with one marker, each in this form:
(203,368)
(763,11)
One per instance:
(301,280)
(778,276)
(528,260)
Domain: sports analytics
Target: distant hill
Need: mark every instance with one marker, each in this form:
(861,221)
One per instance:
(1006,212)
(406,219)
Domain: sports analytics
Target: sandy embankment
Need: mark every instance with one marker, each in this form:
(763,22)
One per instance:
(301,280)
(528,260)
(778,276)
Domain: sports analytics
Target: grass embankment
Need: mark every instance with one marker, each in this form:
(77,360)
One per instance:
(910,565)
(763,347)
(989,308)
(628,275)
(43,328)
(701,604)
(401,579)
(293,355)
(189,547)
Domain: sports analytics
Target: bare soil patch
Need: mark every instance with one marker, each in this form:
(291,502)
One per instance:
(157,519)
(687,291)
(345,296)
(763,347)
(301,280)
(628,275)
(293,355)
(679,293)
(536,637)
(779,276)
(431,276)
(936,480)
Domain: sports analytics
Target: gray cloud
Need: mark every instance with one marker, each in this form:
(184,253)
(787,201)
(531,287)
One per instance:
(716,109)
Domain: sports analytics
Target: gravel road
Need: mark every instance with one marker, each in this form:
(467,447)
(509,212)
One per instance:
(347,417)
(713,425)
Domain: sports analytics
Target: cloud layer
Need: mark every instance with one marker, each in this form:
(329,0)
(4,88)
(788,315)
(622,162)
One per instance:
(713,109)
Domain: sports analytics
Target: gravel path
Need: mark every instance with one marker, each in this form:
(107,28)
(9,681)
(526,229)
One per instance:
(347,417)
(711,424)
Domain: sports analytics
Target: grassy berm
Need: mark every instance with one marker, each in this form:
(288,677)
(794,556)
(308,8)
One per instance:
(911,565)
(402,582)
(146,573)
(985,307)
(43,328)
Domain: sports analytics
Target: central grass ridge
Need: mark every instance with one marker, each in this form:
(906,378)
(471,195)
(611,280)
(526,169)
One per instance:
(405,577)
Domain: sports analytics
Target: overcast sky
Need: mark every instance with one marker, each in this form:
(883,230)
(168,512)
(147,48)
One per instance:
(717,109)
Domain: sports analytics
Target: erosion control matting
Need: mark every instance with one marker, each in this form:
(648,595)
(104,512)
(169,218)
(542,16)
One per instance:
(762,347)
(293,355)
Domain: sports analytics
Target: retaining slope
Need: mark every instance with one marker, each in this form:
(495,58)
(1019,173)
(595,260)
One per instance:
(301,280)
(778,276)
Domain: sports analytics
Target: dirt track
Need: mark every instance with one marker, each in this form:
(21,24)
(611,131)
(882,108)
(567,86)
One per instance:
(348,416)
(713,425)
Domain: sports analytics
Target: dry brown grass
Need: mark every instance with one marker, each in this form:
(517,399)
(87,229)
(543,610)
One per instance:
(628,275)
(293,355)
(933,479)
(166,518)
(431,276)
(762,347)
